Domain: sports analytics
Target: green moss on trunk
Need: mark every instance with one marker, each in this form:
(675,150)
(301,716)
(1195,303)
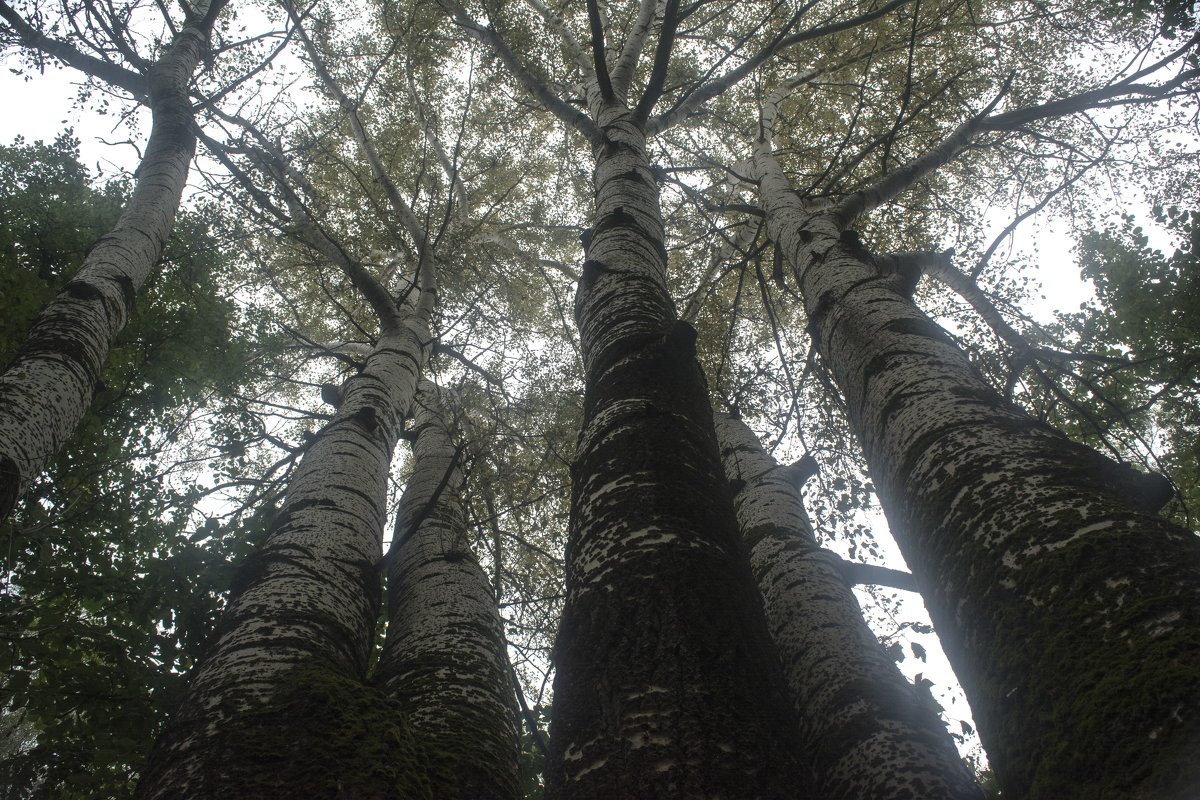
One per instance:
(324,736)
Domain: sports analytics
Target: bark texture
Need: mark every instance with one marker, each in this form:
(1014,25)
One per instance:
(667,684)
(863,730)
(49,386)
(1070,612)
(445,660)
(299,629)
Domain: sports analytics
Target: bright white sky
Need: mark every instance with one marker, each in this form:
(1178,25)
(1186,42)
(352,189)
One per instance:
(42,108)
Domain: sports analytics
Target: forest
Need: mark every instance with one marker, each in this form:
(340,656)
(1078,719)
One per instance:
(496,399)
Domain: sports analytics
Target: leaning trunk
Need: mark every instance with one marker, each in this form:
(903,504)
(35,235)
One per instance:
(445,659)
(278,701)
(667,684)
(864,731)
(1071,612)
(49,386)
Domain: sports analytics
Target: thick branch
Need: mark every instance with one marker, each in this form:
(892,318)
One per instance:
(100,69)
(599,58)
(569,41)
(631,51)
(855,573)
(866,200)
(662,58)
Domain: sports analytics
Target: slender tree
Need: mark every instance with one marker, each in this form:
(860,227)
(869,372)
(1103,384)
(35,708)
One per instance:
(864,730)
(49,385)
(444,658)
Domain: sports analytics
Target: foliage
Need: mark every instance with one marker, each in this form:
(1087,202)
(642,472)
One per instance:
(107,599)
(1138,393)
(533,760)
(115,519)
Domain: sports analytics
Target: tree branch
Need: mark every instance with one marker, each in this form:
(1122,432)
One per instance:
(631,51)
(548,99)
(113,74)
(855,573)
(599,57)
(662,58)
(781,42)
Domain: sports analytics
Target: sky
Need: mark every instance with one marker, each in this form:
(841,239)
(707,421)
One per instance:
(44,106)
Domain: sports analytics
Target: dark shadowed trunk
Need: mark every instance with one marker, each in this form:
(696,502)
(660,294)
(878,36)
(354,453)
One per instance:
(1071,612)
(667,684)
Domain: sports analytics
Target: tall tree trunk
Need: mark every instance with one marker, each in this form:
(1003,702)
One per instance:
(49,386)
(279,700)
(667,684)
(864,731)
(1070,611)
(445,658)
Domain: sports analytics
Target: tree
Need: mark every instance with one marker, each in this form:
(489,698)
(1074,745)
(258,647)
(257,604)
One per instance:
(50,383)
(861,720)
(106,589)
(444,657)
(965,479)
(844,131)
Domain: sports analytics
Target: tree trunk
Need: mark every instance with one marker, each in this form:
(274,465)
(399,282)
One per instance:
(49,386)
(445,658)
(864,731)
(1070,611)
(277,708)
(667,684)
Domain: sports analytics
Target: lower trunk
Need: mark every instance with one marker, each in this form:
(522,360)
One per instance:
(863,729)
(1071,612)
(277,705)
(445,659)
(666,683)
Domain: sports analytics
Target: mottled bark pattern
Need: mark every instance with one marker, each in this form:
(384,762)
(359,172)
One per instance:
(445,658)
(865,734)
(49,386)
(310,597)
(1072,617)
(667,685)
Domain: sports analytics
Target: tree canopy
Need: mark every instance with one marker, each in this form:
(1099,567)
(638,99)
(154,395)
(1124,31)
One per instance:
(513,200)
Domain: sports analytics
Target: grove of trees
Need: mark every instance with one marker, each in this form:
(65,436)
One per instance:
(494,399)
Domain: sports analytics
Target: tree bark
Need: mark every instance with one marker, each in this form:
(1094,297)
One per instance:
(445,657)
(49,386)
(1070,612)
(667,684)
(267,706)
(863,730)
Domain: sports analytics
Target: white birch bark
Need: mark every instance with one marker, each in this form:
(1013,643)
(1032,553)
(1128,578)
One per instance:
(49,386)
(864,731)
(445,659)
(309,597)
(1071,615)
